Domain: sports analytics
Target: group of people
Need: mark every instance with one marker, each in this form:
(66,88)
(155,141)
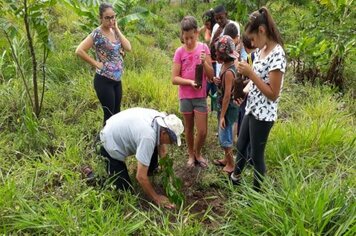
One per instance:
(257,55)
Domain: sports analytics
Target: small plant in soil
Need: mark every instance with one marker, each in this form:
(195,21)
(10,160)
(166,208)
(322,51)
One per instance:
(172,184)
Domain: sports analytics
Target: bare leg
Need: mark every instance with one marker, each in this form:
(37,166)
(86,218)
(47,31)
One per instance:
(234,132)
(189,136)
(201,121)
(229,167)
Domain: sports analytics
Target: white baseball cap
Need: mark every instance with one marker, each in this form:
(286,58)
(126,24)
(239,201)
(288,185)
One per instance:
(173,124)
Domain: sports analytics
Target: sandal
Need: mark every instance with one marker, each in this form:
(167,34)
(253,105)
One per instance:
(218,162)
(202,162)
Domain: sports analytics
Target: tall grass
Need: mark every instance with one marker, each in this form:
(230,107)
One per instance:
(309,188)
(298,205)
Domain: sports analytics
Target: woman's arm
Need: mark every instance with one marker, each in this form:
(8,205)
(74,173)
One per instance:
(124,41)
(229,77)
(207,36)
(82,52)
(271,90)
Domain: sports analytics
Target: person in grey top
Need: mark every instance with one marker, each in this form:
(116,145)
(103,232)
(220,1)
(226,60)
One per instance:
(141,132)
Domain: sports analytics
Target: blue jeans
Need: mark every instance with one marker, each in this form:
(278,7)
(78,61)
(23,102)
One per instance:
(226,135)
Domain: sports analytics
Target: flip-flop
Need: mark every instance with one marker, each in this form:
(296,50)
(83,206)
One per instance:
(202,163)
(218,162)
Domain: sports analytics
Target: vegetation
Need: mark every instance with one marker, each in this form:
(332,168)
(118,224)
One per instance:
(310,185)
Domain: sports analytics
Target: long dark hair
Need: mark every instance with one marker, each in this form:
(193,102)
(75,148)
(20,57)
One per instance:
(263,17)
(209,16)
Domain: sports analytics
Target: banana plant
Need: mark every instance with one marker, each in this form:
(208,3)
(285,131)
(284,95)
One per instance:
(308,57)
(341,14)
(239,9)
(127,12)
(326,40)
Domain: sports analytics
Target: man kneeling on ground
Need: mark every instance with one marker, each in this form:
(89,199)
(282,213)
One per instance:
(141,132)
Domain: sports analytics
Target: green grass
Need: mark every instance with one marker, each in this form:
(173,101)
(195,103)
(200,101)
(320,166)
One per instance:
(298,205)
(309,189)
(310,183)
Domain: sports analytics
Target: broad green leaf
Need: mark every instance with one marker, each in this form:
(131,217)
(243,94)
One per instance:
(132,18)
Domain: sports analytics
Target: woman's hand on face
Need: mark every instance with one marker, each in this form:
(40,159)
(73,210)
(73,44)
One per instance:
(116,26)
(244,68)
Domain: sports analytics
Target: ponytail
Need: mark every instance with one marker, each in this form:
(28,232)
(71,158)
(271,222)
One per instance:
(263,17)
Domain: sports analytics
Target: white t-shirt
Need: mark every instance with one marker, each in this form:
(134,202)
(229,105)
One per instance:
(215,28)
(258,104)
(131,132)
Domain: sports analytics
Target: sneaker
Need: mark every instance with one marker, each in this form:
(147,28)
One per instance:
(236,180)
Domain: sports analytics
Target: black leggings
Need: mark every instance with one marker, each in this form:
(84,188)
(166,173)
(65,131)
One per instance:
(118,169)
(255,133)
(109,93)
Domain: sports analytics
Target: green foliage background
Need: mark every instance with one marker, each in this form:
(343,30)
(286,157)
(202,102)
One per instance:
(310,185)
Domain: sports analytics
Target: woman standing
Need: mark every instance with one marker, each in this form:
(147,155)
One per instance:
(266,74)
(109,43)
(209,22)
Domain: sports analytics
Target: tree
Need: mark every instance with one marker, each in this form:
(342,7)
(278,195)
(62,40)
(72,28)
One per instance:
(341,14)
(34,25)
(324,42)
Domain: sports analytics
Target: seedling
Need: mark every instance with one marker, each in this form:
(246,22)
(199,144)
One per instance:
(172,184)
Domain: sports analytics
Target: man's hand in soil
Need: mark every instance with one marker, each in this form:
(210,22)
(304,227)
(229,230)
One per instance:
(146,185)
(164,201)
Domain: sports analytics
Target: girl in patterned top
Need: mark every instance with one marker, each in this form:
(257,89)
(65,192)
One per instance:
(108,42)
(267,75)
